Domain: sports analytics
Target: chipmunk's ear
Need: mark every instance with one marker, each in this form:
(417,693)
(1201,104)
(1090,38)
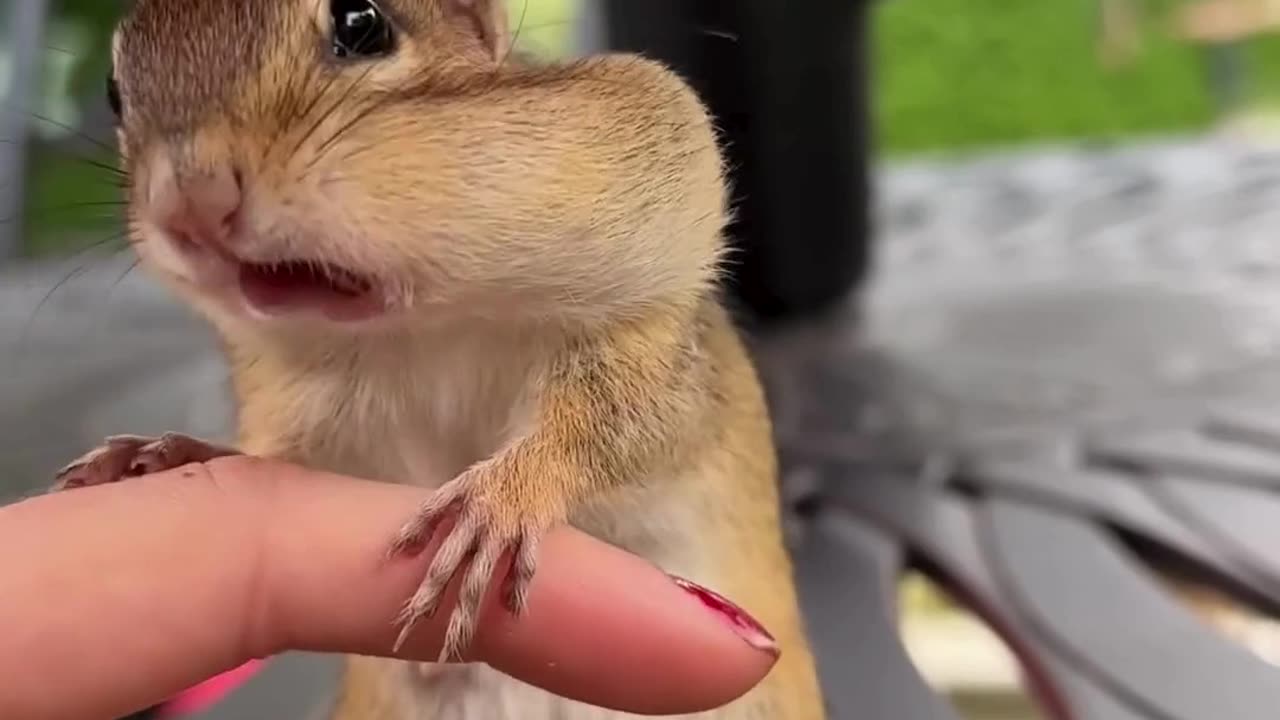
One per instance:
(489,19)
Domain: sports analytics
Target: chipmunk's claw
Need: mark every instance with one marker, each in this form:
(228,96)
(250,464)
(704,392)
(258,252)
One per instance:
(128,456)
(479,539)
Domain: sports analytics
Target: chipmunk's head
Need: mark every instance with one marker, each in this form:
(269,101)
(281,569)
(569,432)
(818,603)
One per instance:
(353,162)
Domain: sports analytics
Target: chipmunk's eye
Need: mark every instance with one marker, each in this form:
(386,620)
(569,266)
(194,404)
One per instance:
(360,29)
(113,96)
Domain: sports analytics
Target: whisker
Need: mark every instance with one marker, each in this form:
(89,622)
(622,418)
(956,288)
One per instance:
(296,112)
(62,283)
(346,127)
(43,212)
(68,128)
(113,237)
(104,166)
(132,266)
(723,34)
(80,270)
(329,113)
(515,35)
(117,174)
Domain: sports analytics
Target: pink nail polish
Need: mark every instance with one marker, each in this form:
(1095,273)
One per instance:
(747,627)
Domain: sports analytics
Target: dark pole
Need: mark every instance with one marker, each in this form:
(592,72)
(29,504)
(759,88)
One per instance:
(788,84)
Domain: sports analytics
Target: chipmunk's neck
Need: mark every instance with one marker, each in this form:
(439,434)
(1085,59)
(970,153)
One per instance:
(414,408)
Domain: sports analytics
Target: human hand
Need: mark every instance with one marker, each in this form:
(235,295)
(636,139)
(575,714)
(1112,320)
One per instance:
(115,598)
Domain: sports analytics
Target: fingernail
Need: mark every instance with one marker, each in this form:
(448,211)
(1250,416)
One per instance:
(747,627)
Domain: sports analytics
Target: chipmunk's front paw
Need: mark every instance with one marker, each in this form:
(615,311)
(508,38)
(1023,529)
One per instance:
(491,522)
(127,456)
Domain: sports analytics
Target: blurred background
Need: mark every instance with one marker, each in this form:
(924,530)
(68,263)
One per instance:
(960,87)
(951,76)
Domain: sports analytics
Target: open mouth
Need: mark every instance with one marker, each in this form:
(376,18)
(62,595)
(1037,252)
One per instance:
(292,286)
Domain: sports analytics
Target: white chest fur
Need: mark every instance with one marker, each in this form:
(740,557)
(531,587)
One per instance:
(416,411)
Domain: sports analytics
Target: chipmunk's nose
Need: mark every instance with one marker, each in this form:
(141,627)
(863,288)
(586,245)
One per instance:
(200,207)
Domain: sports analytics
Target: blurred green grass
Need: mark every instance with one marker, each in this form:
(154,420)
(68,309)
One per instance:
(71,204)
(961,74)
(949,75)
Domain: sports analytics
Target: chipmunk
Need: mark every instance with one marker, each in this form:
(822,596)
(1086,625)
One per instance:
(433,262)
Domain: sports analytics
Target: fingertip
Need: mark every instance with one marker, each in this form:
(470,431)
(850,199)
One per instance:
(611,629)
(733,616)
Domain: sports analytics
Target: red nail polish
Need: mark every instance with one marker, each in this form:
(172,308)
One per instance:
(747,627)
